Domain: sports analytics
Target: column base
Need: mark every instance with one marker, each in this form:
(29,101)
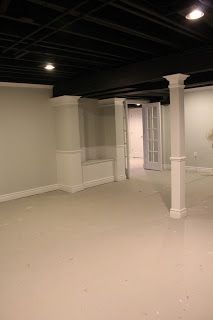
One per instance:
(178,213)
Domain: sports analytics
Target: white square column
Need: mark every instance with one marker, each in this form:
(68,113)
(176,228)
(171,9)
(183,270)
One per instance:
(178,159)
(119,140)
(68,151)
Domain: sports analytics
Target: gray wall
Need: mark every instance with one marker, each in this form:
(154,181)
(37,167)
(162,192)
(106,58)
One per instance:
(198,124)
(97,124)
(27,139)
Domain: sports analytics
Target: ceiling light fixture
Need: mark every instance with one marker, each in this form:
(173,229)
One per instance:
(49,66)
(138,104)
(195,14)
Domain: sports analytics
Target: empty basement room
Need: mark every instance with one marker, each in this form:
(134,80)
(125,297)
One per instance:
(106,160)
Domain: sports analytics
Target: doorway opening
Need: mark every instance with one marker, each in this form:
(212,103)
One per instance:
(136,152)
(143,137)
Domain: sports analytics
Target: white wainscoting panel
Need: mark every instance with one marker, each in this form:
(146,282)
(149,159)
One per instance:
(69,170)
(97,172)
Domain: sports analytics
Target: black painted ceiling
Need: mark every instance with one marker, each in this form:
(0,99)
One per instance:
(93,37)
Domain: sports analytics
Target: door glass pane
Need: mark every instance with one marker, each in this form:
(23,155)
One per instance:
(155,112)
(150,156)
(150,135)
(155,156)
(155,123)
(149,120)
(155,145)
(155,134)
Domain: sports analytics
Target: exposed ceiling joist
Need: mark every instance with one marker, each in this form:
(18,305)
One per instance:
(45,25)
(4,4)
(118,44)
(68,24)
(160,19)
(169,24)
(155,69)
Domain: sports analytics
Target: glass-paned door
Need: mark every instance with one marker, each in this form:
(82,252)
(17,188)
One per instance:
(152,136)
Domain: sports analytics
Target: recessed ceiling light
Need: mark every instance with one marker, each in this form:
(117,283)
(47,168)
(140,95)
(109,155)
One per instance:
(49,66)
(195,14)
(138,104)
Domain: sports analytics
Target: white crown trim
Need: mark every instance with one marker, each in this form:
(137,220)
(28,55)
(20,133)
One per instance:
(64,101)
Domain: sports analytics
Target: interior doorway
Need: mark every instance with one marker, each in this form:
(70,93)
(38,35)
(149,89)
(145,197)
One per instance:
(142,136)
(136,152)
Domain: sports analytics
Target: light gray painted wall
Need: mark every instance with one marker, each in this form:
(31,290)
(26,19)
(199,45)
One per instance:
(67,130)
(198,123)
(97,124)
(27,139)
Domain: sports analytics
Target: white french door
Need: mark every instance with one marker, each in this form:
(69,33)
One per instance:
(152,136)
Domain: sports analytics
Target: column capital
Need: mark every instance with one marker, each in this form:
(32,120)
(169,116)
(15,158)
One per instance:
(110,102)
(64,101)
(176,80)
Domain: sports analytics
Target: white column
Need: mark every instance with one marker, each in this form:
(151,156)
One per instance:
(68,151)
(119,140)
(178,159)
(118,132)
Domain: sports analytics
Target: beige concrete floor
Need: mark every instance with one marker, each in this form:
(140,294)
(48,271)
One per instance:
(108,253)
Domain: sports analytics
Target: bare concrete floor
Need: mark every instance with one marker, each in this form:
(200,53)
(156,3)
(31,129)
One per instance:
(108,253)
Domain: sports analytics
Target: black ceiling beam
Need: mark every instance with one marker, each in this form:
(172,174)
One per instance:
(160,19)
(71,58)
(80,16)
(206,3)
(70,48)
(117,27)
(81,35)
(151,85)
(167,23)
(130,31)
(154,69)
(41,62)
(42,27)
(32,74)
(10,68)
(4,5)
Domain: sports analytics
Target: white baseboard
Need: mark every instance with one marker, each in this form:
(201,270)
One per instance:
(166,166)
(120,178)
(192,169)
(93,183)
(66,188)
(70,189)
(200,169)
(27,193)
(177,214)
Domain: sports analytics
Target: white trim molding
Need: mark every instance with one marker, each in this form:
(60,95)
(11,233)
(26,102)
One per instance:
(27,193)
(64,101)
(176,80)
(179,159)
(121,178)
(177,214)
(97,182)
(68,151)
(110,102)
(25,85)
(204,170)
(71,189)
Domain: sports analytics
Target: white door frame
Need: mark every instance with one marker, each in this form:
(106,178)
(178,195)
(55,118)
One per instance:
(142,102)
(151,164)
